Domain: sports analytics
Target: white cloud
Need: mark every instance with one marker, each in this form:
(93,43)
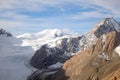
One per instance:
(9,24)
(29,5)
(90,14)
(12,15)
(112,5)
(103,8)
(38,5)
(11,18)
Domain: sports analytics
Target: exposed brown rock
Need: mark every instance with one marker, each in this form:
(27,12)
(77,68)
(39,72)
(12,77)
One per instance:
(88,65)
(97,59)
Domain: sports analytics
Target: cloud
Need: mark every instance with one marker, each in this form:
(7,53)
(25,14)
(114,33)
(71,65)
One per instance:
(12,15)
(29,5)
(37,5)
(9,24)
(11,12)
(90,14)
(112,6)
(41,5)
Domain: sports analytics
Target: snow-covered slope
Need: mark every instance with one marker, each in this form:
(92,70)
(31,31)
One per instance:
(35,40)
(117,49)
(13,59)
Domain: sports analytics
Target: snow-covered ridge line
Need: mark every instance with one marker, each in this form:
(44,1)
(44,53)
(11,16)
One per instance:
(46,32)
(35,40)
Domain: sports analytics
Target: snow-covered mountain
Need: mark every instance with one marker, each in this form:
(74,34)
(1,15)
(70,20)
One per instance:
(35,40)
(64,48)
(96,50)
(58,51)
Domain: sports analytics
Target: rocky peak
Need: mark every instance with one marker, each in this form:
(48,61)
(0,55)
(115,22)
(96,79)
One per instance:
(102,28)
(4,32)
(105,26)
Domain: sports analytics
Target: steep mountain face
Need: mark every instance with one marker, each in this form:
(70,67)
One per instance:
(97,57)
(59,51)
(103,27)
(98,62)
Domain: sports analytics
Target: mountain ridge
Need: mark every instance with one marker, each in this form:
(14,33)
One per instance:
(99,45)
(36,40)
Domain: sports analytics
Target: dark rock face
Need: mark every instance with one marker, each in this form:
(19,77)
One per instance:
(47,56)
(42,59)
(103,30)
(106,27)
(4,32)
(70,45)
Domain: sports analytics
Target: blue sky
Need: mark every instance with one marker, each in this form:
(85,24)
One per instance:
(21,16)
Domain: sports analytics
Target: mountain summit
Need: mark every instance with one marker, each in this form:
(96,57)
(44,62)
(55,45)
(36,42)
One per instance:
(99,61)
(97,57)
(105,26)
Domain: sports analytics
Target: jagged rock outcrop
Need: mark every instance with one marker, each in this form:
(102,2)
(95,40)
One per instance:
(4,32)
(103,27)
